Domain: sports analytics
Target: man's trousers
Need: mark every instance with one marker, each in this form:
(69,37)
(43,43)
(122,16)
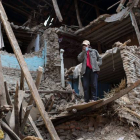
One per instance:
(90,83)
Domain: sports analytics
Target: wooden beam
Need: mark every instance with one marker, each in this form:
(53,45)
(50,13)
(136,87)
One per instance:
(134,23)
(47,3)
(7,94)
(16,104)
(27,74)
(105,102)
(77,14)
(122,2)
(57,11)
(92,5)
(26,4)
(38,81)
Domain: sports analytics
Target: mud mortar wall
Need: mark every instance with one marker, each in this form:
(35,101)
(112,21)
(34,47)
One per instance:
(33,60)
(53,65)
(131,63)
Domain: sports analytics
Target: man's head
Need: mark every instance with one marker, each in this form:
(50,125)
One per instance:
(86,43)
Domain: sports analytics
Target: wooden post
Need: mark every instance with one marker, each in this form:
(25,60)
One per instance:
(7,94)
(38,81)
(22,81)
(134,23)
(77,14)
(17,125)
(3,100)
(57,11)
(27,74)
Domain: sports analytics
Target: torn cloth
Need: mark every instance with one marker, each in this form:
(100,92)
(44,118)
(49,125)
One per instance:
(76,73)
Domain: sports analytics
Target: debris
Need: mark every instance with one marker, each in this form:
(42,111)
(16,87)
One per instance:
(31,138)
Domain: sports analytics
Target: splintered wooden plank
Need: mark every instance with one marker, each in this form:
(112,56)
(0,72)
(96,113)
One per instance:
(7,94)
(83,106)
(27,74)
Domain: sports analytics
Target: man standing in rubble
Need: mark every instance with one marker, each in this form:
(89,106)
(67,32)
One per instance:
(91,61)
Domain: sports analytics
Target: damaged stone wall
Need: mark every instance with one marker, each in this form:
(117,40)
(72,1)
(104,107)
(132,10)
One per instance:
(11,68)
(131,63)
(52,68)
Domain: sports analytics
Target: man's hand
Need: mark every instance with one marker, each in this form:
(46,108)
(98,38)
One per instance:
(84,48)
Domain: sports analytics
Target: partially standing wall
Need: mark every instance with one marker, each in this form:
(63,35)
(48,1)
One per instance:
(11,67)
(131,63)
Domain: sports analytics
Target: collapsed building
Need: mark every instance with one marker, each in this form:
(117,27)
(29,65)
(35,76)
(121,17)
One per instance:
(38,69)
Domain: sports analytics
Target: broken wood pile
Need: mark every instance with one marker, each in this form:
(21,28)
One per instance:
(30,82)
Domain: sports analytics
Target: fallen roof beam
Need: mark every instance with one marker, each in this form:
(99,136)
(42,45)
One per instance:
(105,102)
(27,74)
(57,10)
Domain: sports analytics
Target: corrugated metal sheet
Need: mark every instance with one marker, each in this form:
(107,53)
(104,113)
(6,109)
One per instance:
(108,74)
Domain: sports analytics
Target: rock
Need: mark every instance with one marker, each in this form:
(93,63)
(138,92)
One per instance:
(91,129)
(74,134)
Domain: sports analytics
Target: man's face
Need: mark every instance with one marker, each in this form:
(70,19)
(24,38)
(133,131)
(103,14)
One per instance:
(84,46)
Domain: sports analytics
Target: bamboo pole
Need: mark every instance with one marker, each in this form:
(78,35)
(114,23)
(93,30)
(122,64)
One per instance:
(27,74)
